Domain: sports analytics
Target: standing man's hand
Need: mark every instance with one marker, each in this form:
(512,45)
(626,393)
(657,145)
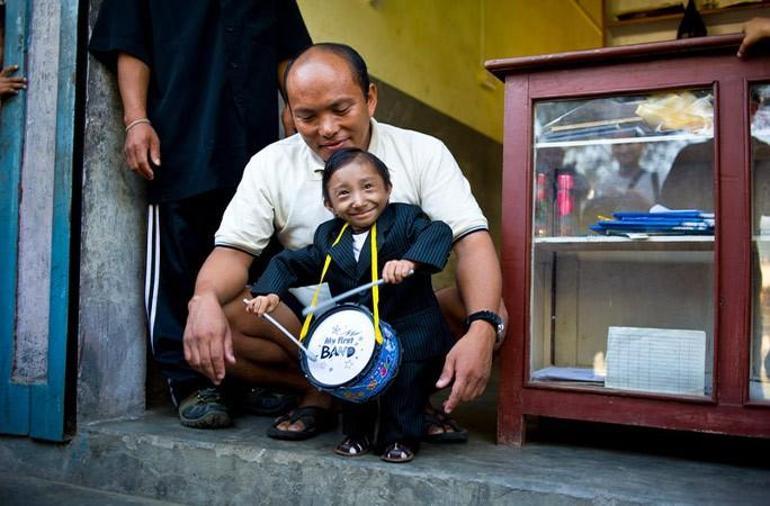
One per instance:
(469,363)
(208,341)
(754,30)
(11,85)
(142,146)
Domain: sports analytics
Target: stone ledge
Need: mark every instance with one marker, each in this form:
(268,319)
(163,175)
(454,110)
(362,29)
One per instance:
(155,457)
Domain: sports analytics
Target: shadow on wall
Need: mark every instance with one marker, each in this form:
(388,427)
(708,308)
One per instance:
(479,156)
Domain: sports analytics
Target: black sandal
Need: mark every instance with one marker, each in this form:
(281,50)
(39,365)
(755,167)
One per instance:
(315,419)
(451,432)
(398,453)
(353,447)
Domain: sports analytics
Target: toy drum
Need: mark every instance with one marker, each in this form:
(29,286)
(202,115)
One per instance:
(349,363)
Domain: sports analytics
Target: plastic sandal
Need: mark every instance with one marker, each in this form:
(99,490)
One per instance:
(315,420)
(353,447)
(451,432)
(398,453)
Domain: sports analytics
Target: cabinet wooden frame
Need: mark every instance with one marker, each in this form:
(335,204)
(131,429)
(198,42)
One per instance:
(709,62)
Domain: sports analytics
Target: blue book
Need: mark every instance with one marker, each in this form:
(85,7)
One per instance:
(679,213)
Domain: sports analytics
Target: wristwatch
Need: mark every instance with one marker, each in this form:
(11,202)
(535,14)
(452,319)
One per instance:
(491,318)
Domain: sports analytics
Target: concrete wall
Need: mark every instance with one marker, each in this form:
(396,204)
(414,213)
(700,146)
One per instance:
(111,337)
(434,50)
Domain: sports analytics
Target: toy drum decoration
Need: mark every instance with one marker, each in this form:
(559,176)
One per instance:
(349,364)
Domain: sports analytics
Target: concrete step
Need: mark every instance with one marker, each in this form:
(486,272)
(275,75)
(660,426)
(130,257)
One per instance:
(156,457)
(26,491)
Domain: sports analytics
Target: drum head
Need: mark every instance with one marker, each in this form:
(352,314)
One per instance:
(343,343)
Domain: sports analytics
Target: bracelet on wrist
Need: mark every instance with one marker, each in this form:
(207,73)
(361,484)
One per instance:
(137,122)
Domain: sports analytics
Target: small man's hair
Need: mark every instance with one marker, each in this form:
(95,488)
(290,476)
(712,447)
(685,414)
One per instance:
(343,157)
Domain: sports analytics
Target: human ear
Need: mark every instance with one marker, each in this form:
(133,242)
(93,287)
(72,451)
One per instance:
(371,99)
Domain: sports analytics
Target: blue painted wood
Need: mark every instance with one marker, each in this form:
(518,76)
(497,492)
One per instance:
(47,400)
(14,398)
(37,409)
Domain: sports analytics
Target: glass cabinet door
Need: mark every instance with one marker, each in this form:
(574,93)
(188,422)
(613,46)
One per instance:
(623,243)
(759,380)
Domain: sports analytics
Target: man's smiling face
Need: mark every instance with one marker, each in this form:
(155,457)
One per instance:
(329,108)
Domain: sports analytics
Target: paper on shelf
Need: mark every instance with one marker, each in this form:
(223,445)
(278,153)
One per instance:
(554,373)
(656,360)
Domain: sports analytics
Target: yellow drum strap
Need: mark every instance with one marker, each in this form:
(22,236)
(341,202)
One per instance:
(309,317)
(375,286)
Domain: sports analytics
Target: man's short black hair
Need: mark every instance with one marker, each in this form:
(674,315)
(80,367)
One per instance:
(354,60)
(343,157)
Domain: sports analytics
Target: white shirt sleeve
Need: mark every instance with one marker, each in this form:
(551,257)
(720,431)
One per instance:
(248,221)
(445,193)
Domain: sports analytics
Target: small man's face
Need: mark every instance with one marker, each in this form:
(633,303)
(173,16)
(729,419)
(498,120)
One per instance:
(329,108)
(357,194)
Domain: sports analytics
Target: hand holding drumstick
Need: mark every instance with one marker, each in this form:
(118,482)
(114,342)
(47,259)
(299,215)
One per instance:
(262,304)
(395,271)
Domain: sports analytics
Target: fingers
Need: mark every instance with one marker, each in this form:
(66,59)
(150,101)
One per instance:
(272,302)
(10,69)
(466,388)
(459,387)
(396,271)
(262,304)
(198,353)
(747,42)
(447,373)
(142,143)
(155,149)
(217,354)
(141,152)
(13,84)
(256,306)
(454,398)
(229,354)
(468,369)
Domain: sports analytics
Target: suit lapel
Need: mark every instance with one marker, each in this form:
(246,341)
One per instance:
(342,254)
(384,223)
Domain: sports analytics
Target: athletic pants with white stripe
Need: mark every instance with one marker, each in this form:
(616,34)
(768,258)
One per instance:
(180,235)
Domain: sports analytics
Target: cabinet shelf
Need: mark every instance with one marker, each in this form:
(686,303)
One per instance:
(615,243)
(677,16)
(624,140)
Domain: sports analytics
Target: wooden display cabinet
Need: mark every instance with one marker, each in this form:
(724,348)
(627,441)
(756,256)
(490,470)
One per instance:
(662,322)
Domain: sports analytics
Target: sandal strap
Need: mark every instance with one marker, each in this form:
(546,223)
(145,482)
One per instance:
(357,445)
(398,451)
(311,416)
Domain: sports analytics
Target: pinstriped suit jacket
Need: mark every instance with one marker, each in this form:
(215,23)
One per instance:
(404,232)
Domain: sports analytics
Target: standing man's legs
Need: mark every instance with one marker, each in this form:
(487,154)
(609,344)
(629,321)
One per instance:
(180,235)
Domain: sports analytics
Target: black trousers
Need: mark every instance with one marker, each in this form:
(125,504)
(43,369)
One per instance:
(180,235)
(401,406)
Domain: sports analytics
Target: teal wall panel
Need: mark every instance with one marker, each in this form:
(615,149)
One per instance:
(14,398)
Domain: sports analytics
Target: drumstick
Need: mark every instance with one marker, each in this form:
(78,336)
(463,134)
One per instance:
(323,306)
(288,334)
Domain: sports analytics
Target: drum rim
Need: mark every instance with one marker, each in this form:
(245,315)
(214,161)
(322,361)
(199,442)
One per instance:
(375,350)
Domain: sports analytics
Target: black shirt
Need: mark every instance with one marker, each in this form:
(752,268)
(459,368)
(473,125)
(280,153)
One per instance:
(212,95)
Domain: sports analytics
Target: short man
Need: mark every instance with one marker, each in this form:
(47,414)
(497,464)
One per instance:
(332,103)
(198,82)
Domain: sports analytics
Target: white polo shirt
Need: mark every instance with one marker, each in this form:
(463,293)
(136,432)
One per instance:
(281,189)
